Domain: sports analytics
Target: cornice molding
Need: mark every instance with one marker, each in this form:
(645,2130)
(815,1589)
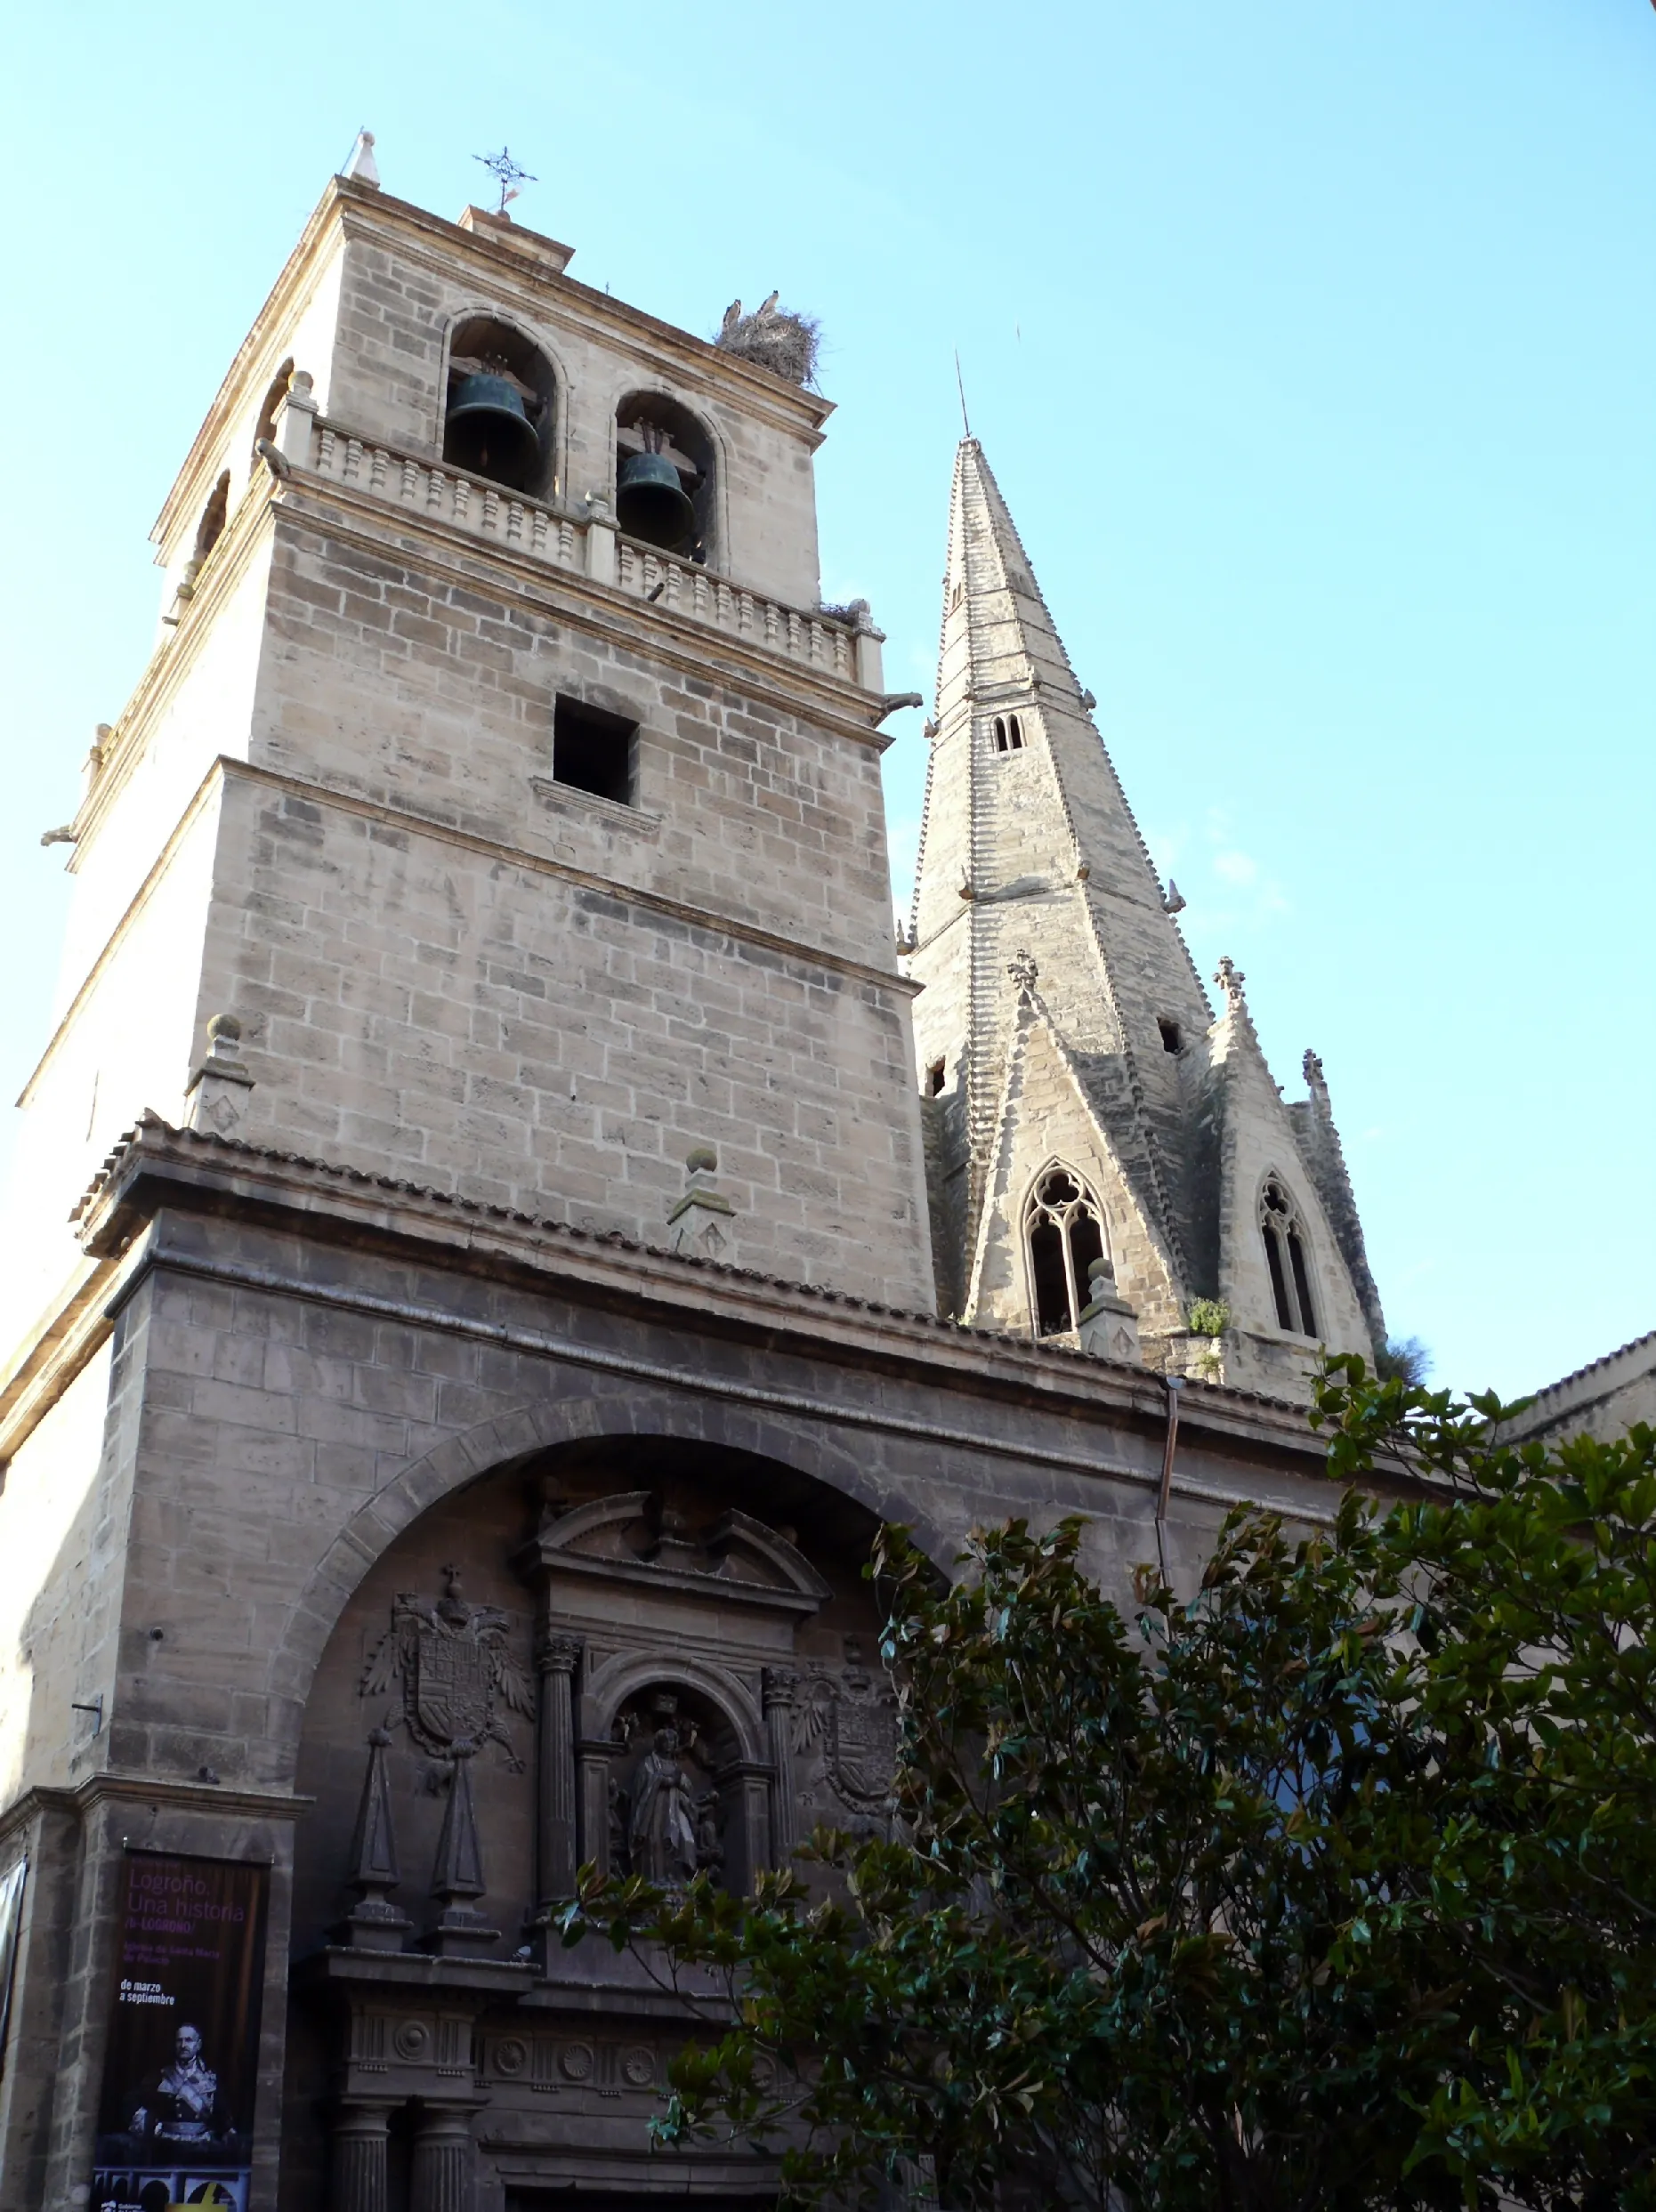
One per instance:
(76,1800)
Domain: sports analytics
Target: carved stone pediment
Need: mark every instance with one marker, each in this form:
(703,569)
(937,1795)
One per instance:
(633,1537)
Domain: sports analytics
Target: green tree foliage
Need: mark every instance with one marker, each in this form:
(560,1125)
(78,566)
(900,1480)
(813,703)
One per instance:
(1334,1886)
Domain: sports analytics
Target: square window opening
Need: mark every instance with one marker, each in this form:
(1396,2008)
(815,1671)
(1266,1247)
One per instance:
(594,750)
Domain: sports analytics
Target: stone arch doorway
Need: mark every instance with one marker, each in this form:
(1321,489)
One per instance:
(655,1653)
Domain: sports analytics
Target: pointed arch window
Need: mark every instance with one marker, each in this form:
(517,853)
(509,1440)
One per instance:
(1063,1233)
(1287,1259)
(1008,734)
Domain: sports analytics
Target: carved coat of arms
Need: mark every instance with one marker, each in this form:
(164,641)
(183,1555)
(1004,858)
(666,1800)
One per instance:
(453,1663)
(851,1721)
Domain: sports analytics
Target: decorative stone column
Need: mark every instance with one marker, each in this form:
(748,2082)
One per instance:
(600,539)
(216,1096)
(703,1221)
(445,2162)
(296,418)
(462,1931)
(374,1923)
(597,1763)
(746,1786)
(556,1658)
(779,1686)
(1109,1327)
(870,669)
(358,2155)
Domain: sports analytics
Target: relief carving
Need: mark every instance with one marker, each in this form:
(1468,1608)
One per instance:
(664,1813)
(453,1664)
(846,1723)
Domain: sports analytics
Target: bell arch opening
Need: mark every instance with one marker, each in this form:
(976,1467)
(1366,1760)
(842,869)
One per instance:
(499,408)
(264,429)
(665,477)
(214,517)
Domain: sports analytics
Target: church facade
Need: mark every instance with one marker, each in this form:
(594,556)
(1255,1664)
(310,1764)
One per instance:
(499,1222)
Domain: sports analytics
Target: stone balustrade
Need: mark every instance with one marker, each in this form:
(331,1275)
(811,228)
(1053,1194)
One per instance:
(591,545)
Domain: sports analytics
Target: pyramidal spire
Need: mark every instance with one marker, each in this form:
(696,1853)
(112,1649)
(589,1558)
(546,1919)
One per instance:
(1028,842)
(1081,1101)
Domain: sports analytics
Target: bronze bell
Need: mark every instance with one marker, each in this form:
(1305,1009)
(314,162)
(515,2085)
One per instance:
(650,503)
(489,434)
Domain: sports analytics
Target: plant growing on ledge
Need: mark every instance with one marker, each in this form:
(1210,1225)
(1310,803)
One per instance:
(1208,1317)
(1331,1885)
(1403,1359)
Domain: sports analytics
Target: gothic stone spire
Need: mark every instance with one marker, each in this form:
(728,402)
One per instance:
(1029,845)
(1062,1020)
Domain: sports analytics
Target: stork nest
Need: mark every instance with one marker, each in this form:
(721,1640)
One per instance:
(775,338)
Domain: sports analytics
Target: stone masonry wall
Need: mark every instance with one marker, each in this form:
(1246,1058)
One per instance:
(437,972)
(127,1048)
(406,672)
(487,1028)
(284,1437)
(58,1605)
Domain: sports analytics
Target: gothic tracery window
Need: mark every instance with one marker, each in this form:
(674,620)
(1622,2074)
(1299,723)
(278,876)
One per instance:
(1063,1232)
(1285,1257)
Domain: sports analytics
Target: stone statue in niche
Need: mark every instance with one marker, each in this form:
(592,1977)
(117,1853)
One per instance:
(453,1663)
(848,1723)
(667,1814)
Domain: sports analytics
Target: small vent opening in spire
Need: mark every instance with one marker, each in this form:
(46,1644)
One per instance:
(936,1076)
(1008,733)
(1172,1037)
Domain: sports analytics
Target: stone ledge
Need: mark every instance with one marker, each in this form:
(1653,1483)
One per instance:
(568,798)
(156,1164)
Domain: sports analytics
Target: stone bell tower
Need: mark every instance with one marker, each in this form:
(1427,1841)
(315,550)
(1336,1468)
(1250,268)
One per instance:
(471,1294)
(500,774)
(1084,1103)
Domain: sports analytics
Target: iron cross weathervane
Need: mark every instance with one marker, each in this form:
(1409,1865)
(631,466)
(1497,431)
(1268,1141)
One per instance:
(507,174)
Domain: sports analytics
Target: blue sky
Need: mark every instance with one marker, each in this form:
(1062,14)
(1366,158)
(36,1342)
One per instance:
(1312,344)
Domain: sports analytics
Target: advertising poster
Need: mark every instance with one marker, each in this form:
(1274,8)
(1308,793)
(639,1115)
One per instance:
(11,1920)
(175,2120)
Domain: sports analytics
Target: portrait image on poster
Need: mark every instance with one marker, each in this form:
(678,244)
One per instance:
(182,2064)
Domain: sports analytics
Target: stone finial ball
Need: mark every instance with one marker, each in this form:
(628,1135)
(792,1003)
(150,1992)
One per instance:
(224,1029)
(1101,1271)
(702,1160)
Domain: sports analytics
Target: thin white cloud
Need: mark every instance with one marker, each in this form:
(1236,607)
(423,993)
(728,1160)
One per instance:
(1237,868)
